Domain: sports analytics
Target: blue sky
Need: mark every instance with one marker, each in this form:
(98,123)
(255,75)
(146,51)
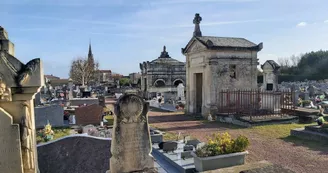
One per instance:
(126,32)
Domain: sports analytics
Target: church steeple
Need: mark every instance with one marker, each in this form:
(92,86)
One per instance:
(90,51)
(196,21)
(90,56)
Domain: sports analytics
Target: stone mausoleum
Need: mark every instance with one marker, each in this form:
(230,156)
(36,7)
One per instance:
(214,64)
(162,75)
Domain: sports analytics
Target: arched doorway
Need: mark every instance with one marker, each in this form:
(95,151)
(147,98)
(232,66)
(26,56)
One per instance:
(159,83)
(177,82)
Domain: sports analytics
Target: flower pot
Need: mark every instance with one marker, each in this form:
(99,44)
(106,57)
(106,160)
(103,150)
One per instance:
(220,161)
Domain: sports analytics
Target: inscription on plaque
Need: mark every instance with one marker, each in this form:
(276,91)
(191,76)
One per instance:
(10,151)
(197,61)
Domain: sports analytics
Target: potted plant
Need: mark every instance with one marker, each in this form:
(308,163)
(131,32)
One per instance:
(221,151)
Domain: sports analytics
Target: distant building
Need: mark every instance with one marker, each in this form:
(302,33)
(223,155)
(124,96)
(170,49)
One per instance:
(134,78)
(162,75)
(105,76)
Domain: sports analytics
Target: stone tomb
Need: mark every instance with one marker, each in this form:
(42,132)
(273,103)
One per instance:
(90,114)
(131,146)
(10,149)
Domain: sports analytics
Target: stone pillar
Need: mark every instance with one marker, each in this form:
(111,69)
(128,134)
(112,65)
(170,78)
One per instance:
(70,86)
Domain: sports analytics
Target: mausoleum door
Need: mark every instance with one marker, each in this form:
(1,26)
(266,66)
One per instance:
(199,92)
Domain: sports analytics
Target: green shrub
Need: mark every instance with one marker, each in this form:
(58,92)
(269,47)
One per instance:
(221,144)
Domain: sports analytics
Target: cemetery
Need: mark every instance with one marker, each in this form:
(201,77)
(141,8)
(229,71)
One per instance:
(86,128)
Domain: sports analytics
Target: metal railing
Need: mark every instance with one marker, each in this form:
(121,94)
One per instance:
(255,103)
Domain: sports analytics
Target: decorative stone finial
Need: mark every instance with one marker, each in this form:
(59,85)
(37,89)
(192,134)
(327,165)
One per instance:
(196,21)
(164,54)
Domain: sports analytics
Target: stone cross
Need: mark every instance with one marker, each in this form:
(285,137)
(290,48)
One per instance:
(196,21)
(131,145)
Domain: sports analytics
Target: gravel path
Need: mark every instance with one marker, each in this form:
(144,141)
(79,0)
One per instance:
(298,158)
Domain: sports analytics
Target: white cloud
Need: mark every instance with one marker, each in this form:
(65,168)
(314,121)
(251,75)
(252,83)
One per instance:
(301,24)
(326,21)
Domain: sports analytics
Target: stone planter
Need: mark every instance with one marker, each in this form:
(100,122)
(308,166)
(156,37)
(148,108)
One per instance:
(220,161)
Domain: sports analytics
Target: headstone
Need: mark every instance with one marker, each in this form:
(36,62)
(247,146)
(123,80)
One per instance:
(102,101)
(90,114)
(131,145)
(10,147)
(75,154)
(52,114)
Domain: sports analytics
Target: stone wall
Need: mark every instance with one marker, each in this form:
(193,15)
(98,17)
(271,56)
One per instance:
(52,113)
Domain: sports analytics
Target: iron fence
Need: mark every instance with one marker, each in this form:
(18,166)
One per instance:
(255,103)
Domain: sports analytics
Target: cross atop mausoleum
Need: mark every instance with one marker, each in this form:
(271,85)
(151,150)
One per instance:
(196,21)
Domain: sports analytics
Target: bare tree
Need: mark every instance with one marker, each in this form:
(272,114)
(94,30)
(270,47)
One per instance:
(295,60)
(83,72)
(284,62)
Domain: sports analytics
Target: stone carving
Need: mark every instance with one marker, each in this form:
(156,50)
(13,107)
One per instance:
(27,139)
(5,94)
(27,71)
(130,110)
(131,146)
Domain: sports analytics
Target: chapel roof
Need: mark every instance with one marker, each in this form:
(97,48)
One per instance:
(274,65)
(226,41)
(212,42)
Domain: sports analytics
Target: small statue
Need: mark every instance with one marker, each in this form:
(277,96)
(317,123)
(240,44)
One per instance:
(47,132)
(4,92)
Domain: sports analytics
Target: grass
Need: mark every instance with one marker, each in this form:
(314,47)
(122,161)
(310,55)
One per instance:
(58,133)
(276,131)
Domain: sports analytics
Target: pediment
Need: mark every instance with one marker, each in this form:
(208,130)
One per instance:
(267,67)
(194,46)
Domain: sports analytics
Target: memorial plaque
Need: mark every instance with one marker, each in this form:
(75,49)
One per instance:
(131,146)
(10,150)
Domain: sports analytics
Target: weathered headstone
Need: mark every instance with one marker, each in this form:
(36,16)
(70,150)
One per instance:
(131,146)
(90,114)
(10,148)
